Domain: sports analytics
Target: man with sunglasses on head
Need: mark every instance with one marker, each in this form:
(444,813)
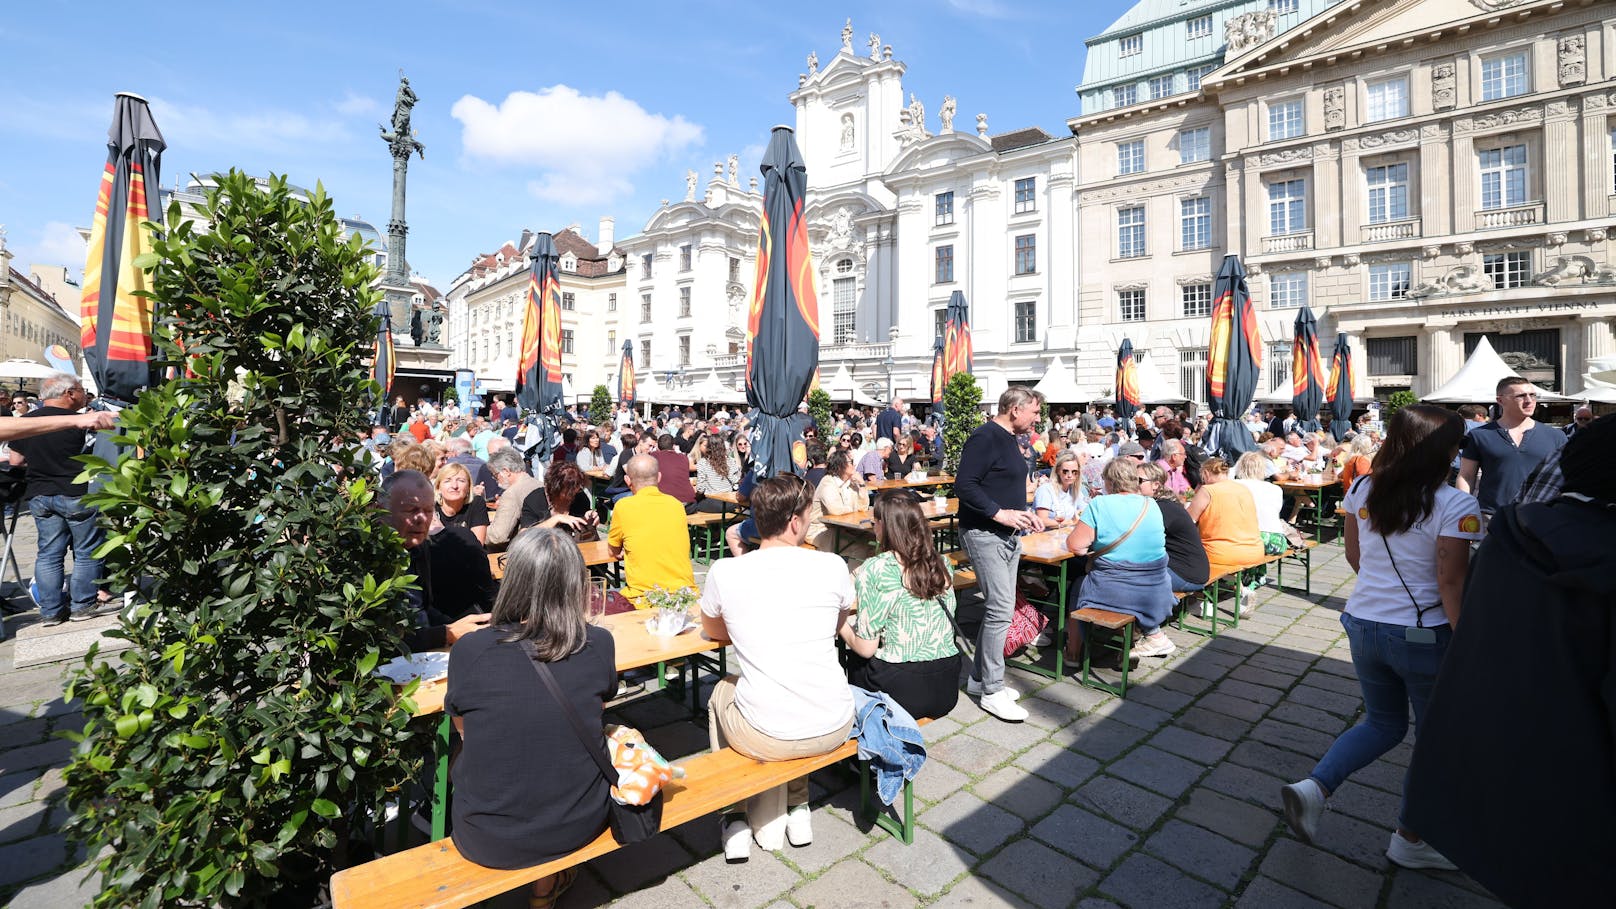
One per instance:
(1506,450)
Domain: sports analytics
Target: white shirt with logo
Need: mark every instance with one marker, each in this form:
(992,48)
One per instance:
(1378,595)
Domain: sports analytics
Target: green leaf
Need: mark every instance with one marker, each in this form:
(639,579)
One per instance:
(368,662)
(126,725)
(325,808)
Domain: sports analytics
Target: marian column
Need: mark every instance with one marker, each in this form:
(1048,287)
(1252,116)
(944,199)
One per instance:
(401,142)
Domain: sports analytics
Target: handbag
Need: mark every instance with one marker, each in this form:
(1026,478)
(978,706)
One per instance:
(1026,624)
(629,823)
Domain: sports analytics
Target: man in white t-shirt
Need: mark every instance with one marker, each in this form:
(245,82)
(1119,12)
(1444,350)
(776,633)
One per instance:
(779,607)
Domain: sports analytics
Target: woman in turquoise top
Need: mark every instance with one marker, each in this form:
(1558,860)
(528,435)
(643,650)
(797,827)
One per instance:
(902,636)
(1125,531)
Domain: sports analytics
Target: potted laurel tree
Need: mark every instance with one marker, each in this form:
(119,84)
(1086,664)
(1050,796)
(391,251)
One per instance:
(962,413)
(228,754)
(600,405)
(819,407)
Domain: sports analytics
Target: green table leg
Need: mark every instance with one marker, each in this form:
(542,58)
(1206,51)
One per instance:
(440,783)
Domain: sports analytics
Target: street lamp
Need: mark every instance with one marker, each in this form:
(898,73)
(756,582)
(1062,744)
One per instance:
(888,363)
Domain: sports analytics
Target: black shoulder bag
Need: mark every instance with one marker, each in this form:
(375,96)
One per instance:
(629,823)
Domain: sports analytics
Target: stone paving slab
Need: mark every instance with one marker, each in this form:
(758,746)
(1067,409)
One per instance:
(1167,799)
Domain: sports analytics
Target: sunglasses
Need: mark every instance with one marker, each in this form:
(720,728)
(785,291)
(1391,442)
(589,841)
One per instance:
(1070,473)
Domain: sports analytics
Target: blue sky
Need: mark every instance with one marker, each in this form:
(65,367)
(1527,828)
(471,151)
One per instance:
(533,115)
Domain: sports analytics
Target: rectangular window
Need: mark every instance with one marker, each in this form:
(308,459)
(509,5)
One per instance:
(1392,356)
(1503,176)
(1131,305)
(566,340)
(944,262)
(1389,281)
(1131,232)
(734,270)
(1285,119)
(1388,99)
(1199,27)
(1197,300)
(1285,7)
(844,310)
(645,265)
(1026,195)
(1026,254)
(1279,366)
(939,318)
(1613,158)
(1287,289)
(1194,145)
(1160,87)
(1504,76)
(1131,45)
(1192,373)
(645,307)
(1509,269)
(684,257)
(1388,193)
(1124,95)
(945,209)
(1131,157)
(1195,223)
(1026,321)
(645,355)
(1287,207)
(1197,74)
(611,343)
(684,350)
(569,301)
(611,302)
(684,302)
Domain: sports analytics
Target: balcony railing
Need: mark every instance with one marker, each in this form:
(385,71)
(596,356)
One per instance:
(1392,230)
(857,351)
(1513,216)
(1302,240)
(723,360)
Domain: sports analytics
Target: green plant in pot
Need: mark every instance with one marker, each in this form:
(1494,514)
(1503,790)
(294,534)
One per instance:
(229,755)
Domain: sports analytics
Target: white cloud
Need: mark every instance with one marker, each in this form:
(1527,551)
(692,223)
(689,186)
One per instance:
(185,125)
(355,105)
(586,148)
(58,244)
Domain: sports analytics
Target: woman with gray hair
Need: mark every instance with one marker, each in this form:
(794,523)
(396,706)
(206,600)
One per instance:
(511,811)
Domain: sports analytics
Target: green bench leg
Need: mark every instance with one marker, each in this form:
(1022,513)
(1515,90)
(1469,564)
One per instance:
(1208,598)
(440,783)
(1126,650)
(903,828)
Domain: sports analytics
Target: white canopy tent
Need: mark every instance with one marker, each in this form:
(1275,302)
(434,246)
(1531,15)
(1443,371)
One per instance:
(1153,389)
(1058,386)
(1476,382)
(711,391)
(1599,382)
(841,387)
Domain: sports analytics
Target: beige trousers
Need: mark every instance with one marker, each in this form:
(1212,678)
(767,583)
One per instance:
(727,728)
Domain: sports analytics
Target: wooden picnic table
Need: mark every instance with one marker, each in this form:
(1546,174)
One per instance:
(1316,489)
(596,553)
(864,521)
(905,483)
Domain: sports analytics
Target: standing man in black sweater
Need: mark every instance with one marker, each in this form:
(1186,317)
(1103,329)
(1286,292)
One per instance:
(991,484)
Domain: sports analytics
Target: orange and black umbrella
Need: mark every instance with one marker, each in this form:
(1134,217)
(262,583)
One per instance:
(1127,395)
(116,321)
(1307,376)
(625,375)
(384,362)
(1234,362)
(782,326)
(956,336)
(1341,386)
(939,381)
(538,368)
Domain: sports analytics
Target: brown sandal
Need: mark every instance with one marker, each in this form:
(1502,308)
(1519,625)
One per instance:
(559,882)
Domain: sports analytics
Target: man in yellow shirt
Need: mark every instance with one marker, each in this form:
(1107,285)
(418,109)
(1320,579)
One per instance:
(650,535)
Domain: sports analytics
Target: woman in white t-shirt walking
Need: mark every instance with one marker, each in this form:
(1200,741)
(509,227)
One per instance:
(1408,537)
(780,607)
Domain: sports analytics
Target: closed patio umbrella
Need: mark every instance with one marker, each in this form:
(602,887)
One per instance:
(625,376)
(538,369)
(1341,387)
(1127,383)
(383,362)
(939,380)
(957,352)
(782,329)
(1234,362)
(1307,376)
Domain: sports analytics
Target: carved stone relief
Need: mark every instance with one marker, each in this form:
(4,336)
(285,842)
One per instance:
(1245,32)
(1335,109)
(1444,86)
(1573,60)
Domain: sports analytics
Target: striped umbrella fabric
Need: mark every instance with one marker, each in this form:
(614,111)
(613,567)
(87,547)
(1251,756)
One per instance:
(957,353)
(116,323)
(1127,403)
(939,381)
(1340,387)
(1307,375)
(782,326)
(625,375)
(1234,361)
(384,362)
(538,376)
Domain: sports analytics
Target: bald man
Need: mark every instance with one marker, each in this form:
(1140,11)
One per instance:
(441,561)
(649,534)
(1580,420)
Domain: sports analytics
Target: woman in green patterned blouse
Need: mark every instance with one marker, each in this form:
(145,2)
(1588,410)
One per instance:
(902,636)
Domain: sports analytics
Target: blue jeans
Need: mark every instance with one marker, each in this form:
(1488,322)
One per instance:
(1393,673)
(1182,586)
(995,558)
(60,520)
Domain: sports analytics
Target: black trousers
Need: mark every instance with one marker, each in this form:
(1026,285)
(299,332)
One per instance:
(929,688)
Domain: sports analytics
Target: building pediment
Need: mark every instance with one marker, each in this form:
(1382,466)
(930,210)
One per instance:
(938,151)
(1348,28)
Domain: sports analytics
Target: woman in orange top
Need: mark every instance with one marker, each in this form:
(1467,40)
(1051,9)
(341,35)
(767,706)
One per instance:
(1359,458)
(1227,517)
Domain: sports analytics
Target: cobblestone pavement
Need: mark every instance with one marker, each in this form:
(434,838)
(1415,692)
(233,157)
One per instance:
(1167,799)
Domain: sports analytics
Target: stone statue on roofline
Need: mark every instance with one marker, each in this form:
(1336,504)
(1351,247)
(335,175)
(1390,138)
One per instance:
(945,115)
(813,62)
(847,36)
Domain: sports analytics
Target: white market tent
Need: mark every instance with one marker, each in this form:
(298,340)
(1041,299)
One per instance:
(711,391)
(1058,387)
(1153,389)
(841,387)
(1476,382)
(1599,382)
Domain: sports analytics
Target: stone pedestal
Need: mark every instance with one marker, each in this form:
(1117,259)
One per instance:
(400,303)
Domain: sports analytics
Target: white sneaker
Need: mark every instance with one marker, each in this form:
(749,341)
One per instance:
(1044,639)
(1003,706)
(799,826)
(1304,803)
(974,689)
(737,834)
(1417,855)
(1155,645)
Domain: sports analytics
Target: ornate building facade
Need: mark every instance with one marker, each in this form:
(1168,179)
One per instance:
(32,317)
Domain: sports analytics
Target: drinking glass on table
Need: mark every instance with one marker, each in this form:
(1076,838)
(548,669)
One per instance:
(597,600)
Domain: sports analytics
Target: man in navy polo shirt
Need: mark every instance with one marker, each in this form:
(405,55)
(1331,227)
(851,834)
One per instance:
(1506,450)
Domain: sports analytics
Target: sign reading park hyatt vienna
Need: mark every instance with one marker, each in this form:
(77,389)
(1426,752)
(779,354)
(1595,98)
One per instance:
(1519,309)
